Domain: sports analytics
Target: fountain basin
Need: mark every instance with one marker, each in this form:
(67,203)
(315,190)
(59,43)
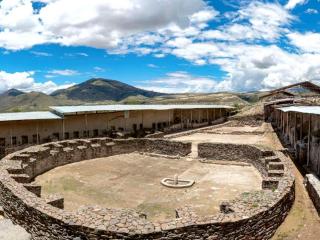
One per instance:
(174,183)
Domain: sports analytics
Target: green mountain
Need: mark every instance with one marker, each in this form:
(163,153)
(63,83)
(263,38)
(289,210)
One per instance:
(99,89)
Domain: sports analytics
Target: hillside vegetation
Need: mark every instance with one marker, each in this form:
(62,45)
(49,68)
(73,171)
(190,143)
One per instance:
(102,91)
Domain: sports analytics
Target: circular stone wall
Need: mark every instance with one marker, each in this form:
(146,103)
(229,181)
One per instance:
(254,214)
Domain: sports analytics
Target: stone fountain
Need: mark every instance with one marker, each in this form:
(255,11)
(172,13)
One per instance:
(175,182)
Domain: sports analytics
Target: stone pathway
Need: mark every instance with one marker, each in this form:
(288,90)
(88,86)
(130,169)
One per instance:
(9,231)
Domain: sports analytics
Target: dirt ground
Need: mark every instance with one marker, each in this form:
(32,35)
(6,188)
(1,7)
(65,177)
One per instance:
(261,135)
(133,181)
(303,221)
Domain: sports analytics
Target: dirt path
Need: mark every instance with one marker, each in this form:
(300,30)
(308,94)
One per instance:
(303,221)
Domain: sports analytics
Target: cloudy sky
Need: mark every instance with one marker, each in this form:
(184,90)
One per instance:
(161,45)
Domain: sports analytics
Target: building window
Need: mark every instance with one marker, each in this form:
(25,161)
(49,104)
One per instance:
(2,142)
(24,140)
(76,134)
(141,126)
(66,135)
(95,133)
(153,126)
(14,140)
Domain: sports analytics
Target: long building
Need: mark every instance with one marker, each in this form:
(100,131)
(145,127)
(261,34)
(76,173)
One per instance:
(69,122)
(300,127)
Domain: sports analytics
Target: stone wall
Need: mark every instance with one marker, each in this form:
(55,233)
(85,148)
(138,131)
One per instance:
(235,152)
(313,187)
(254,215)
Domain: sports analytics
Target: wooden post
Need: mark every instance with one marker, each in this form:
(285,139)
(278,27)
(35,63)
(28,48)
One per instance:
(309,133)
(301,125)
(37,132)
(199,118)
(63,129)
(181,119)
(191,119)
(295,130)
(142,118)
(11,135)
(288,130)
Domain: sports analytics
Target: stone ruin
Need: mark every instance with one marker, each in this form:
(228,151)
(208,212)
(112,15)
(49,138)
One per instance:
(253,215)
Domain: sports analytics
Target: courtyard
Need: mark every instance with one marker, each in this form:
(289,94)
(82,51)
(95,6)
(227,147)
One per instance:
(133,181)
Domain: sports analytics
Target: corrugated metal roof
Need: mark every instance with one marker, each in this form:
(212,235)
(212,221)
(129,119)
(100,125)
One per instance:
(69,110)
(302,109)
(19,116)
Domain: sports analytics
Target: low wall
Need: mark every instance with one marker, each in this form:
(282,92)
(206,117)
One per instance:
(313,188)
(253,215)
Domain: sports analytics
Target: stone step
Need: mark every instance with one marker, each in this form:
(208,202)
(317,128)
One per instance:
(54,152)
(35,189)
(110,144)
(55,200)
(267,153)
(67,149)
(15,170)
(21,178)
(270,184)
(275,166)
(21,157)
(275,173)
(95,145)
(82,147)
(272,159)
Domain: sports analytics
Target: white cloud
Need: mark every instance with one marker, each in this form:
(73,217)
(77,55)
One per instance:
(97,23)
(99,69)
(266,20)
(63,72)
(311,11)
(41,54)
(183,82)
(174,27)
(25,81)
(307,42)
(293,3)
(151,65)
(81,54)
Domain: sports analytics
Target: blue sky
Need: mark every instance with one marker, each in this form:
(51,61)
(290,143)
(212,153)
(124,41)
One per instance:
(167,46)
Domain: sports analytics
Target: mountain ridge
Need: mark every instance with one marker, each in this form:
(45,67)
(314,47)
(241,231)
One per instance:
(104,91)
(100,89)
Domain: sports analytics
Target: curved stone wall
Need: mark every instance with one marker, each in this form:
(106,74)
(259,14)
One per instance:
(254,215)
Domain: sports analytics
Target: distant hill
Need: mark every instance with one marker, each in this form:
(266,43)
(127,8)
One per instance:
(32,101)
(11,93)
(99,89)
(102,91)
